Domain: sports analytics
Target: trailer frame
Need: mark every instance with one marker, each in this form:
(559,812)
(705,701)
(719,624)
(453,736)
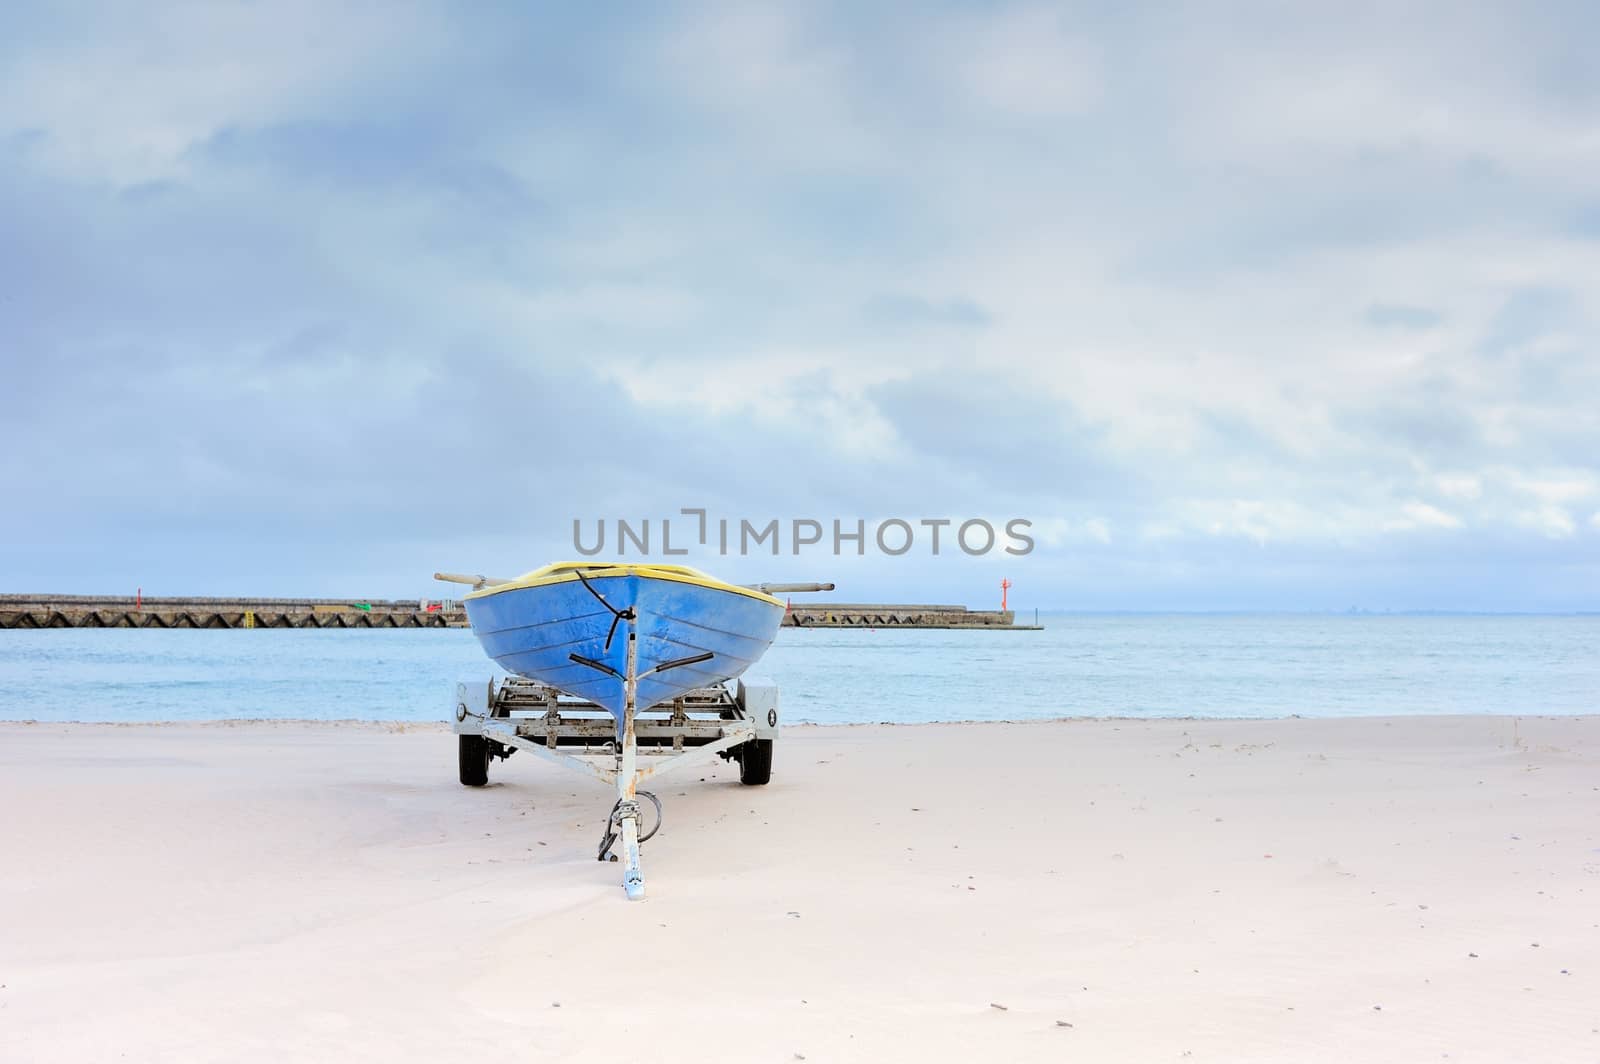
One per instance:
(736,720)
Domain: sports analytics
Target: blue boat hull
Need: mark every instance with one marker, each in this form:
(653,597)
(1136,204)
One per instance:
(536,632)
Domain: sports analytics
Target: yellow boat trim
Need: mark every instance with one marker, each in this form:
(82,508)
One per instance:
(565,572)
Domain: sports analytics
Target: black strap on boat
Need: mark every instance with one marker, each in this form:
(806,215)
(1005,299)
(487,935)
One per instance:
(617,615)
(693,659)
(593,664)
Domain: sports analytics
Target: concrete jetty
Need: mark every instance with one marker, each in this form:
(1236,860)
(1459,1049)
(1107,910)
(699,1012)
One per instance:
(881,615)
(130,611)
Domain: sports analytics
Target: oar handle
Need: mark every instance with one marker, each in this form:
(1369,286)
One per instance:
(477,581)
(789,589)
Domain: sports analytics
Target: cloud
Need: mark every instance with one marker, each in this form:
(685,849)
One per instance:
(122,96)
(1288,309)
(1554,486)
(1394,315)
(1025,63)
(896,310)
(1421,515)
(1458,485)
(1551,521)
(1059,532)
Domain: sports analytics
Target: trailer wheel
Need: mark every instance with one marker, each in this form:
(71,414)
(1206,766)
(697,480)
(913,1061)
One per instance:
(474,756)
(755,762)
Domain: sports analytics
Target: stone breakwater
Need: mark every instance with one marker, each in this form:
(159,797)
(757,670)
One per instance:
(106,611)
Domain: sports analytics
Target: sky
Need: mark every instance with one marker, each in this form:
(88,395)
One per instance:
(1241,306)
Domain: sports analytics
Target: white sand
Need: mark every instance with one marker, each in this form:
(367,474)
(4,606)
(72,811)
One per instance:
(1398,890)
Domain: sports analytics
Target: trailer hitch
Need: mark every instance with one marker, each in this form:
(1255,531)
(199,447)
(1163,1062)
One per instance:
(614,824)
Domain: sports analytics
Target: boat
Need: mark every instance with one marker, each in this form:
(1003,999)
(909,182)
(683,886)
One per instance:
(573,626)
(620,639)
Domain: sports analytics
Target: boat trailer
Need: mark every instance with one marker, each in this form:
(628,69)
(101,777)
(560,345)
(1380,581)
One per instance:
(736,723)
(736,720)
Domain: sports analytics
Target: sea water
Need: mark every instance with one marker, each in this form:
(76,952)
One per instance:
(1080,665)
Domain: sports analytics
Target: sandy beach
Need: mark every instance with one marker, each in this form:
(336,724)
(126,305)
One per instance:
(1376,889)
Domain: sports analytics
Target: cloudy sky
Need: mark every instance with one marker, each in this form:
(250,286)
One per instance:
(1242,305)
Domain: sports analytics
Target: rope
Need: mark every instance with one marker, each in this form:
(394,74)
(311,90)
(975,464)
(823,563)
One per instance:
(617,615)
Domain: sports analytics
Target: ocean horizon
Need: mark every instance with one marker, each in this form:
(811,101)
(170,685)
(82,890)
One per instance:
(1221,664)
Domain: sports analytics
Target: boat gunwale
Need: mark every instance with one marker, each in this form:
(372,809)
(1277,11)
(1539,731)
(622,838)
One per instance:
(567,572)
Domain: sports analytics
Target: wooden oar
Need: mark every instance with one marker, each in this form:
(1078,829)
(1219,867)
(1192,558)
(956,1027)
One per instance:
(478,582)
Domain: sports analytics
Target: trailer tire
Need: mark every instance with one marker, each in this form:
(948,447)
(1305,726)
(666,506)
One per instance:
(755,762)
(474,757)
